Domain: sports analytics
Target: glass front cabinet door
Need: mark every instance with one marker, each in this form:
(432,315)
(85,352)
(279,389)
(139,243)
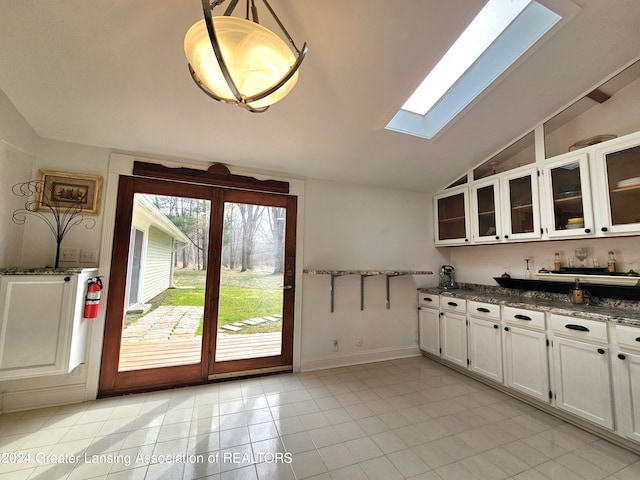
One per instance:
(567,197)
(619,166)
(485,208)
(521,204)
(452,221)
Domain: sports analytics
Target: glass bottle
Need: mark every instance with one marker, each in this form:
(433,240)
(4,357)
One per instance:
(611,262)
(577,293)
(556,261)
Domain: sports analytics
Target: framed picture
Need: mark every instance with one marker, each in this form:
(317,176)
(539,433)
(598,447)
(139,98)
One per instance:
(67,189)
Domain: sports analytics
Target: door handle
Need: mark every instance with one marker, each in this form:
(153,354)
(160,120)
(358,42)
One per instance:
(579,328)
(287,287)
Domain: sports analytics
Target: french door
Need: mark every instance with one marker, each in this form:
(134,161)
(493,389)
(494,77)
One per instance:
(201,285)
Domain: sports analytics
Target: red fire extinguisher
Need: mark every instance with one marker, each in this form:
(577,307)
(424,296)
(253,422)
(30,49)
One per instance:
(92,300)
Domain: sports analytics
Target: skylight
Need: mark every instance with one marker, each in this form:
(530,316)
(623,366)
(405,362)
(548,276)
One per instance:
(500,34)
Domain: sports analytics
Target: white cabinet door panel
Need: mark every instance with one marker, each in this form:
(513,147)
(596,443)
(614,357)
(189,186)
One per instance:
(526,362)
(429,330)
(485,348)
(454,338)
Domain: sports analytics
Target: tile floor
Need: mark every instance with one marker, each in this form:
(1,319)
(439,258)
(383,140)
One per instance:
(409,418)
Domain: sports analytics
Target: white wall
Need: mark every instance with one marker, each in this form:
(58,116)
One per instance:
(39,244)
(367,228)
(480,263)
(17,152)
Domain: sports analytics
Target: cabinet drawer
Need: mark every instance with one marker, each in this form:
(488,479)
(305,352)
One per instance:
(524,318)
(484,310)
(579,328)
(453,304)
(428,300)
(628,336)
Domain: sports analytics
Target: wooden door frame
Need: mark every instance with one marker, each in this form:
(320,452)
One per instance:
(113,382)
(283,361)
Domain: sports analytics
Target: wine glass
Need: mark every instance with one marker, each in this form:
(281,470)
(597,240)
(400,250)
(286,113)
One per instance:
(581,254)
(527,272)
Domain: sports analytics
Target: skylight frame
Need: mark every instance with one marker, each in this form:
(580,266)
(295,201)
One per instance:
(443,113)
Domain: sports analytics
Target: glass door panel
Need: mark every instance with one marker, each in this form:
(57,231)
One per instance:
(250,301)
(166,278)
(521,205)
(452,217)
(568,197)
(623,173)
(486,227)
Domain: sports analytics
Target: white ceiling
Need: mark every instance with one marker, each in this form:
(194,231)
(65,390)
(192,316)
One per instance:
(113,74)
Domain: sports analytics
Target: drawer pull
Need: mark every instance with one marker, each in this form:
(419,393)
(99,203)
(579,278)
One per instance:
(452,304)
(601,351)
(637,339)
(522,317)
(427,299)
(621,356)
(483,310)
(579,328)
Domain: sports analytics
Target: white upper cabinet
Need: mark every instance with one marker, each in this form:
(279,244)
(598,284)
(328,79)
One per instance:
(486,211)
(617,165)
(452,218)
(566,197)
(522,205)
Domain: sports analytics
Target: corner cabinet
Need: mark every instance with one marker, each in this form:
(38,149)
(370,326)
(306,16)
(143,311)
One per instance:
(452,216)
(42,331)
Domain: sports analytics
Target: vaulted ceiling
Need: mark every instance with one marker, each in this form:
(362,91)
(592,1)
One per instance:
(113,74)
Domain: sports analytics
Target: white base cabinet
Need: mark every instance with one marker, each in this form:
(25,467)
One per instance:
(454,338)
(42,331)
(485,348)
(628,369)
(526,362)
(583,381)
(429,330)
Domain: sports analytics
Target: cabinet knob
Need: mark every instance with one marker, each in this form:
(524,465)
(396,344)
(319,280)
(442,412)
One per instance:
(441,314)
(587,230)
(604,229)
(601,351)
(496,326)
(506,329)
(506,236)
(497,237)
(621,356)
(67,279)
(466,239)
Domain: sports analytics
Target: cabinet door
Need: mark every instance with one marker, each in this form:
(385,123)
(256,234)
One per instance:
(36,315)
(452,217)
(567,197)
(526,365)
(618,166)
(429,330)
(485,212)
(454,338)
(521,204)
(583,380)
(628,369)
(485,348)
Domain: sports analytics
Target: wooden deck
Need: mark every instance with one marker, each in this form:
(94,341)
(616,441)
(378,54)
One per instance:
(166,353)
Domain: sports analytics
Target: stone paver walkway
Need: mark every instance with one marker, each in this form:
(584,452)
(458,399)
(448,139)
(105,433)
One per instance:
(178,323)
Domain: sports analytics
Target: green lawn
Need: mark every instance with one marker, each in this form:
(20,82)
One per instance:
(243,295)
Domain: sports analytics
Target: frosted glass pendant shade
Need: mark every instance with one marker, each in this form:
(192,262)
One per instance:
(255,57)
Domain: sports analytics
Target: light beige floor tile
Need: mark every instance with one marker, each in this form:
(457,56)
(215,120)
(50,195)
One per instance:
(380,468)
(408,463)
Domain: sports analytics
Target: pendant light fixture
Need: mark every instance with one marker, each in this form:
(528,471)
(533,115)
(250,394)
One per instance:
(237,60)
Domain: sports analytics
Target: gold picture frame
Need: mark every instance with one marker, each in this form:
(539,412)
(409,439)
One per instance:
(70,189)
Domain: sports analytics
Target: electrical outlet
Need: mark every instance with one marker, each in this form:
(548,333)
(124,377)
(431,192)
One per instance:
(68,254)
(88,256)
(334,346)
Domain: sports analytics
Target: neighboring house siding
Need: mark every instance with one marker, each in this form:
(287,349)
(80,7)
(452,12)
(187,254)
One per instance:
(157,269)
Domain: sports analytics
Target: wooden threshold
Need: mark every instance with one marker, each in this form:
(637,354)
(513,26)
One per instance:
(168,353)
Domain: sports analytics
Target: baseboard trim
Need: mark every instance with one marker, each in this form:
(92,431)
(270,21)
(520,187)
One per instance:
(42,398)
(345,360)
